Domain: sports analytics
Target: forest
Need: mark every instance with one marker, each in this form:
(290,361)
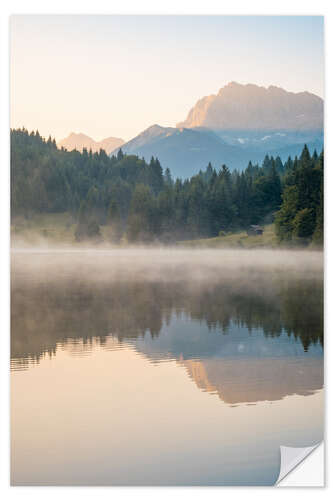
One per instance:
(141,202)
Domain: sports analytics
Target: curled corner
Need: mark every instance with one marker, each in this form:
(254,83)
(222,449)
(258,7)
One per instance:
(291,458)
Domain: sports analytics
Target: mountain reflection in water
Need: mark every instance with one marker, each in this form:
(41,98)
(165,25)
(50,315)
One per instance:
(249,337)
(163,367)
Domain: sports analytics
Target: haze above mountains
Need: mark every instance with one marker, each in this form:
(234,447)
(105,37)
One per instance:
(238,124)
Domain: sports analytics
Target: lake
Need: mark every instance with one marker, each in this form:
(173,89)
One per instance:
(163,366)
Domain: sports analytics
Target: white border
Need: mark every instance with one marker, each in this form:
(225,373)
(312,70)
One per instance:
(236,7)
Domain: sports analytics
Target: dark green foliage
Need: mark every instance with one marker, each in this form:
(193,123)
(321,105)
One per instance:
(304,223)
(300,218)
(115,220)
(88,227)
(142,215)
(142,203)
(285,216)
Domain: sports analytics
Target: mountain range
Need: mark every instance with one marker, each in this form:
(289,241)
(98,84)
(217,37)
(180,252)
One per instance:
(187,150)
(251,107)
(80,141)
(239,124)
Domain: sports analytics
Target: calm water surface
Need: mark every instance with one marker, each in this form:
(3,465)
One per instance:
(163,367)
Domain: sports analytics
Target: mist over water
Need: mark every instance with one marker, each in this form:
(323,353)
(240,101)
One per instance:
(165,263)
(128,293)
(135,333)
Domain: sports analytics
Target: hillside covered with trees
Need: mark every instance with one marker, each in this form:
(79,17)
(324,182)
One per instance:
(141,202)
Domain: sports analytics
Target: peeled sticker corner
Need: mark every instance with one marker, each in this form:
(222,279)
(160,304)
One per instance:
(291,458)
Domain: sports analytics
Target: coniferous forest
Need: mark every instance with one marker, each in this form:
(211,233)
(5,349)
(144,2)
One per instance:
(141,202)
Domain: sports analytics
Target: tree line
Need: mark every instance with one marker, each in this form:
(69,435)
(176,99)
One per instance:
(84,309)
(141,202)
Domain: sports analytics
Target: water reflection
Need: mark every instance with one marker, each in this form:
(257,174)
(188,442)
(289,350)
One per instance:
(188,370)
(245,343)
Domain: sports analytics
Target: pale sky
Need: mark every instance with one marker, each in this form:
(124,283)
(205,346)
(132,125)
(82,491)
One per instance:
(117,75)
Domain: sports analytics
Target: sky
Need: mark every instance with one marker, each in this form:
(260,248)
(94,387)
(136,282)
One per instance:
(117,75)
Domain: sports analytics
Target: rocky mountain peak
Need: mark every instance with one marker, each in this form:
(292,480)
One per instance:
(249,106)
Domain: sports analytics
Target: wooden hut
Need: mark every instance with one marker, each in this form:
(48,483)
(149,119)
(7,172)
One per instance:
(254,230)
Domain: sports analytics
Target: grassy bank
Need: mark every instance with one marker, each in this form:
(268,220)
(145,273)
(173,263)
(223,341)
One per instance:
(238,239)
(51,228)
(55,228)
(60,229)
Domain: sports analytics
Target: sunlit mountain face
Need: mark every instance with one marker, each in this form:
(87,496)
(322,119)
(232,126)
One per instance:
(241,123)
(252,107)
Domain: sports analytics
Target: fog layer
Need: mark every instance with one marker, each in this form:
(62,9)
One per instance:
(243,267)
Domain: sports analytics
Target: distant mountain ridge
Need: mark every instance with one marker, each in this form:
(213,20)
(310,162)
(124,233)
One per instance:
(250,106)
(238,124)
(184,150)
(187,150)
(80,141)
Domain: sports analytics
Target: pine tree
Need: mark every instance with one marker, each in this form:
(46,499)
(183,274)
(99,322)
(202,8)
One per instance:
(167,177)
(120,155)
(115,221)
